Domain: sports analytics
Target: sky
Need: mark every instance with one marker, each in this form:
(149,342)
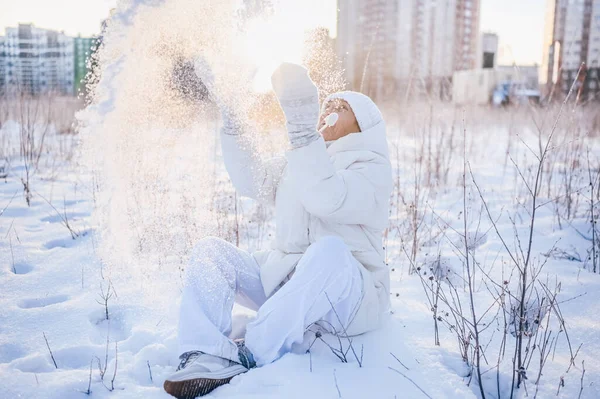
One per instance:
(518,23)
(72,16)
(520,28)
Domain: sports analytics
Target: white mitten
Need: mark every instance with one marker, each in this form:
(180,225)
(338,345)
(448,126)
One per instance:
(206,75)
(299,99)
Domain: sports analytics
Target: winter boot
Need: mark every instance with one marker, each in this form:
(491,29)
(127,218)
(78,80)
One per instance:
(200,373)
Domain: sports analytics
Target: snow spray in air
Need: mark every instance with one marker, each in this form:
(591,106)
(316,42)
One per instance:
(150,136)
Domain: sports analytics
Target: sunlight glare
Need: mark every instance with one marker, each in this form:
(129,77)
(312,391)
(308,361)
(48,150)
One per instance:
(270,42)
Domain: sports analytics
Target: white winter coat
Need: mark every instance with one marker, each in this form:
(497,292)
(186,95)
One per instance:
(341,189)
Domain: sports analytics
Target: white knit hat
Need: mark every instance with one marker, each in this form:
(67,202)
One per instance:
(366,112)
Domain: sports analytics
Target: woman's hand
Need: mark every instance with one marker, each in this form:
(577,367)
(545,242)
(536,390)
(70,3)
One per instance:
(299,99)
(231,119)
(206,75)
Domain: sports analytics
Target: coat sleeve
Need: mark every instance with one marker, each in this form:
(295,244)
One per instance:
(356,195)
(251,175)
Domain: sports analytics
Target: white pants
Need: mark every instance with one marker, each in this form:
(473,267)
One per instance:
(219,274)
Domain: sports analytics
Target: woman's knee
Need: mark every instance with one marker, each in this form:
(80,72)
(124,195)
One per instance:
(206,255)
(209,247)
(329,252)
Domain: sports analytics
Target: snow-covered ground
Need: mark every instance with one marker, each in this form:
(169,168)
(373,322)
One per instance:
(54,329)
(90,271)
(51,285)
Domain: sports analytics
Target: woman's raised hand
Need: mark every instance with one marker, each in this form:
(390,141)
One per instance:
(232,124)
(206,75)
(299,99)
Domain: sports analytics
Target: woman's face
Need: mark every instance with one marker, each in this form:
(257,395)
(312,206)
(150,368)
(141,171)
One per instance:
(345,124)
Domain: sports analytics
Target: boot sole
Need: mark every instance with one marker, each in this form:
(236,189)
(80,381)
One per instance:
(190,389)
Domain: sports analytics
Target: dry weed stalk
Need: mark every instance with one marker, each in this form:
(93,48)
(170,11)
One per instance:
(531,311)
(522,257)
(34,123)
(105,298)
(470,276)
(50,350)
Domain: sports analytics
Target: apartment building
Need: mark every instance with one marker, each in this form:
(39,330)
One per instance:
(571,43)
(2,66)
(36,61)
(407,47)
(83,48)
(489,50)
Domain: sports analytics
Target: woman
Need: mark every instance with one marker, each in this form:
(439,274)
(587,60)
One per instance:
(331,193)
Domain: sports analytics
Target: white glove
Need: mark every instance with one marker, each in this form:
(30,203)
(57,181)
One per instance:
(299,99)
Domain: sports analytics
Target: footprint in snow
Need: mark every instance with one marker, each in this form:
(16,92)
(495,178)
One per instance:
(66,242)
(73,357)
(10,351)
(59,218)
(60,243)
(42,302)
(115,327)
(21,268)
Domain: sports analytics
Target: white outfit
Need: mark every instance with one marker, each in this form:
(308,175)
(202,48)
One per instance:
(341,190)
(219,274)
(331,206)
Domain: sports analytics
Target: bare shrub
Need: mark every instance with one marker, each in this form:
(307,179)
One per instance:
(499,302)
(34,124)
